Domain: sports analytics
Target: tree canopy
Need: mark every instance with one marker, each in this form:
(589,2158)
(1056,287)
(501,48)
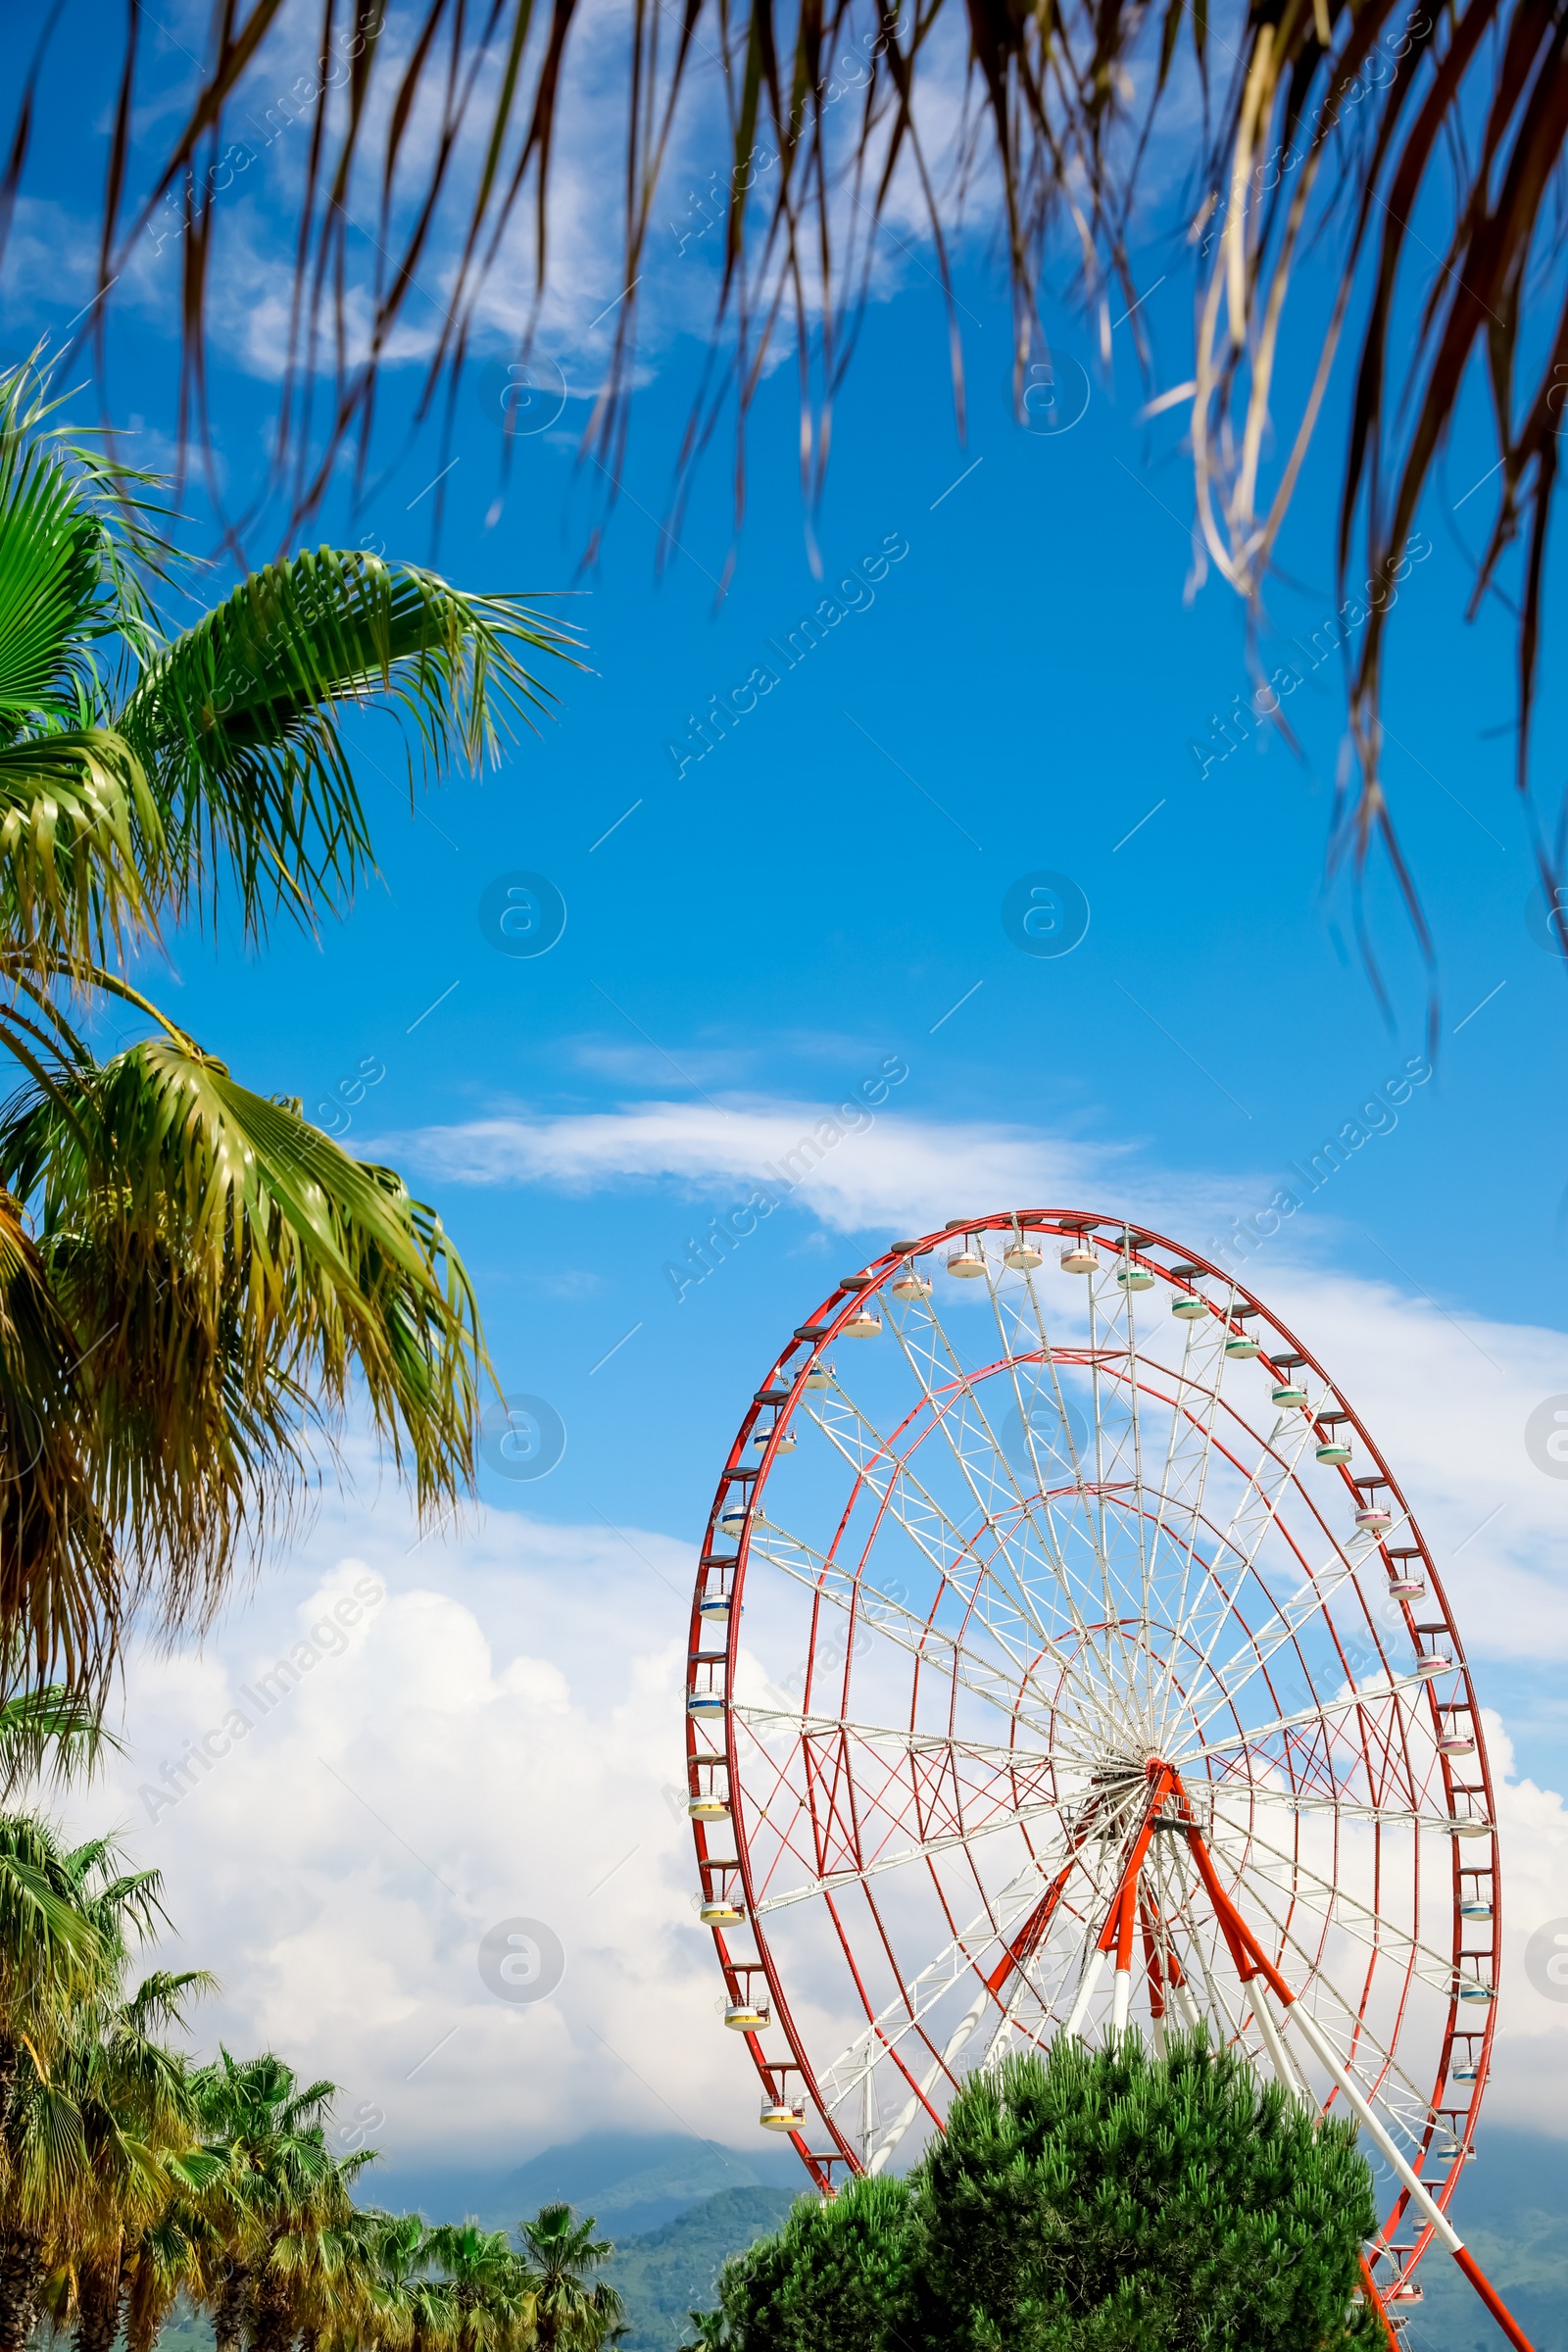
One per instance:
(132,2177)
(1083,2200)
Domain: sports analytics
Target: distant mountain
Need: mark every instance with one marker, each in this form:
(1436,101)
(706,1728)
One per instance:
(673,2271)
(632,2182)
(633,2187)
(1512,2212)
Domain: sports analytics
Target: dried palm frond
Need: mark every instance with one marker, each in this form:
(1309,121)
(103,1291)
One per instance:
(1476,95)
(433,128)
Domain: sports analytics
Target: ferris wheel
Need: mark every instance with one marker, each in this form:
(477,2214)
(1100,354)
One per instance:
(1065,1657)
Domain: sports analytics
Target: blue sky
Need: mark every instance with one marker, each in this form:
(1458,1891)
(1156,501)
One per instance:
(1019,690)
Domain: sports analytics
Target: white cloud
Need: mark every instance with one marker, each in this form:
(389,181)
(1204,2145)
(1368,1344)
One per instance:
(1530,2082)
(1447,1398)
(888,1170)
(501,1735)
(1446,1394)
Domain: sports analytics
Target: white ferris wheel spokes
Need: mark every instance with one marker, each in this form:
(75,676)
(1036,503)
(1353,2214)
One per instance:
(1064,1657)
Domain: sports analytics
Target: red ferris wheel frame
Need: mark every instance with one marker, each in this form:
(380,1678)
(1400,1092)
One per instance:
(791,2084)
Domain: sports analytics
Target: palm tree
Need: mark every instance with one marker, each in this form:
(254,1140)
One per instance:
(1345,118)
(111,2142)
(49,1733)
(568,2310)
(53,1949)
(325,2279)
(708,2331)
(406,2307)
(172,2256)
(85,2096)
(190,1274)
(493,2298)
(280,2189)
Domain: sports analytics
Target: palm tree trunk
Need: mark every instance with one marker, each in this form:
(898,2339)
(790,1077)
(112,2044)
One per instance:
(98,2307)
(9,2056)
(21,2277)
(229,2320)
(272,2322)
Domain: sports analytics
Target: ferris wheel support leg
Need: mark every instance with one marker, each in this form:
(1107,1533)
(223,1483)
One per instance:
(1420,2195)
(996,2047)
(1086,1990)
(917,2099)
(1247,1949)
(1279,2056)
(1121,1999)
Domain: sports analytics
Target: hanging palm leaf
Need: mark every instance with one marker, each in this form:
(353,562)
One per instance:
(191,1276)
(1355,115)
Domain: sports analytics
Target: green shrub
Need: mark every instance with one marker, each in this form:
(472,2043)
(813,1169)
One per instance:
(1083,2201)
(1110,2201)
(834,2279)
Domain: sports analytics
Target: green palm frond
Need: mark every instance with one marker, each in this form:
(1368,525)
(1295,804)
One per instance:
(80,846)
(120,1908)
(238,722)
(82,546)
(227,1268)
(51,1731)
(52,575)
(158,2002)
(60,1595)
(52,1950)
(48,2155)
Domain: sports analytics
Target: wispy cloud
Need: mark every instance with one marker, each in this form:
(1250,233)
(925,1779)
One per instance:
(876,1169)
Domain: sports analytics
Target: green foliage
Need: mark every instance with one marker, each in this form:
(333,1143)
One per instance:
(190,1274)
(834,2279)
(237,721)
(570,2310)
(1108,2201)
(1083,2201)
